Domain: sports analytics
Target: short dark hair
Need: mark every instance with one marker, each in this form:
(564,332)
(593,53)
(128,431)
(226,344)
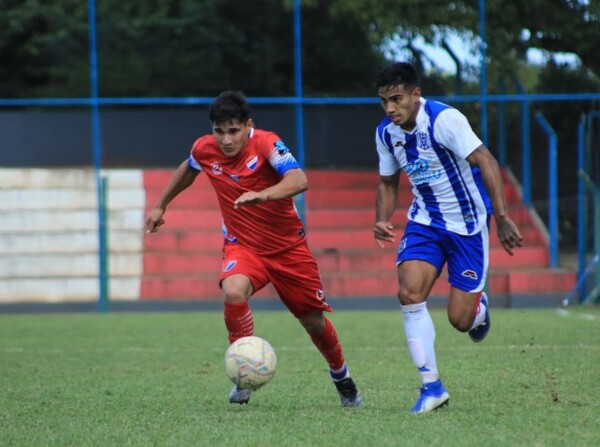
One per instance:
(396,74)
(229,106)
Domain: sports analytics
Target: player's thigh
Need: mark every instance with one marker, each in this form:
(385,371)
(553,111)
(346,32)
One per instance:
(242,273)
(468,260)
(415,281)
(462,307)
(420,260)
(295,275)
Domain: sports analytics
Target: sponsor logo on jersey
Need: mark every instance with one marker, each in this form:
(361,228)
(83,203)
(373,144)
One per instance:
(469,274)
(229,266)
(281,147)
(251,164)
(419,171)
(217,169)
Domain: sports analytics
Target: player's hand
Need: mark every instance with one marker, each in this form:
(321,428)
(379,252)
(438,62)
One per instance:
(154,220)
(509,234)
(249,198)
(384,232)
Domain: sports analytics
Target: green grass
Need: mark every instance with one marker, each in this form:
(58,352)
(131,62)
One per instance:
(157,379)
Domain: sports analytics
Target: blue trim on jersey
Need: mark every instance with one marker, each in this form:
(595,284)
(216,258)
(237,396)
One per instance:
(384,134)
(455,176)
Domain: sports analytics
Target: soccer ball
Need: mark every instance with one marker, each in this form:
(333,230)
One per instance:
(250,362)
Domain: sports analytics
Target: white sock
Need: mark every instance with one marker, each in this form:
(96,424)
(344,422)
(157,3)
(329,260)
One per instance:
(420,335)
(480,316)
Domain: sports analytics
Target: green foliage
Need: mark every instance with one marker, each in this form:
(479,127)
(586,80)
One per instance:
(191,47)
(158,379)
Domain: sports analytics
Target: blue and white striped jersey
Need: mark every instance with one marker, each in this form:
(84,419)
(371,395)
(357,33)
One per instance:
(448,192)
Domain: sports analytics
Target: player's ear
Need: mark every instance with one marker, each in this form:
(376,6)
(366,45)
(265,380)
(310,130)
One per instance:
(250,122)
(416,93)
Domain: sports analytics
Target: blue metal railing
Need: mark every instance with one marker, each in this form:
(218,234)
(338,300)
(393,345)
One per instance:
(552,188)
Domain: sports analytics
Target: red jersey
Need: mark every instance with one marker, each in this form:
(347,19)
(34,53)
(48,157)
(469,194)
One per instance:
(266,228)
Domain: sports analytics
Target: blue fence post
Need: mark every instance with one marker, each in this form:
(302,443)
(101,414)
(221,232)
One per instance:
(102,251)
(581,205)
(502,127)
(552,188)
(483,74)
(300,198)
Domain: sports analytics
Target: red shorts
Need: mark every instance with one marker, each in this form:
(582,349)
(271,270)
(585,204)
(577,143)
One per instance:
(294,274)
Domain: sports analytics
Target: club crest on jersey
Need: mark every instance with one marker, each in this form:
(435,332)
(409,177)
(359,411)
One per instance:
(281,147)
(217,169)
(229,266)
(423,141)
(469,274)
(251,164)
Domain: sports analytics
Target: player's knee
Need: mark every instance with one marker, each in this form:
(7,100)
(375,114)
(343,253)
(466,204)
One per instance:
(234,294)
(313,323)
(461,323)
(407,296)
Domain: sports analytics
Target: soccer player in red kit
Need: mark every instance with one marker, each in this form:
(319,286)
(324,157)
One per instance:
(255,177)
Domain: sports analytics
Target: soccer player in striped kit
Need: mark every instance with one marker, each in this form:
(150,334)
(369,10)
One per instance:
(457,186)
(255,177)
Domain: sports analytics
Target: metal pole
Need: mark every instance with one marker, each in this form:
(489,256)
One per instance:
(552,188)
(483,75)
(300,201)
(581,214)
(102,255)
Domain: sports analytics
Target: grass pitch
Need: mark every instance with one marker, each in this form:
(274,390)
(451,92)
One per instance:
(157,379)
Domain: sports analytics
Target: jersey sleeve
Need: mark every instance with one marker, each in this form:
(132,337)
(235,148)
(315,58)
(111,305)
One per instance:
(279,155)
(388,164)
(192,161)
(453,131)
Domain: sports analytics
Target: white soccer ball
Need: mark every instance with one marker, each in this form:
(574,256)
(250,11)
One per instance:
(250,362)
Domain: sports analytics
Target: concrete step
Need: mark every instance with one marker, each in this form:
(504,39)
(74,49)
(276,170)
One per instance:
(69,199)
(41,178)
(353,285)
(359,218)
(36,265)
(331,261)
(75,242)
(63,220)
(59,290)
(185,241)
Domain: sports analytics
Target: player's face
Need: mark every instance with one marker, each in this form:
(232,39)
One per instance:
(232,136)
(401,105)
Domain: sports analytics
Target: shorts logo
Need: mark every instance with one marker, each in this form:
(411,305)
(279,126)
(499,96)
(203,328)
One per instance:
(229,266)
(402,246)
(469,274)
(252,163)
(320,295)
(217,169)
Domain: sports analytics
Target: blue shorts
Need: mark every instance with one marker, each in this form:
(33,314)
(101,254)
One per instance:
(467,256)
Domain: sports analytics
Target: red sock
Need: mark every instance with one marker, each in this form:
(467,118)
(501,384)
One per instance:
(238,320)
(328,344)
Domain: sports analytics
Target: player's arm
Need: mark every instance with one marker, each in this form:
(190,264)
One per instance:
(385,203)
(293,182)
(508,233)
(182,178)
